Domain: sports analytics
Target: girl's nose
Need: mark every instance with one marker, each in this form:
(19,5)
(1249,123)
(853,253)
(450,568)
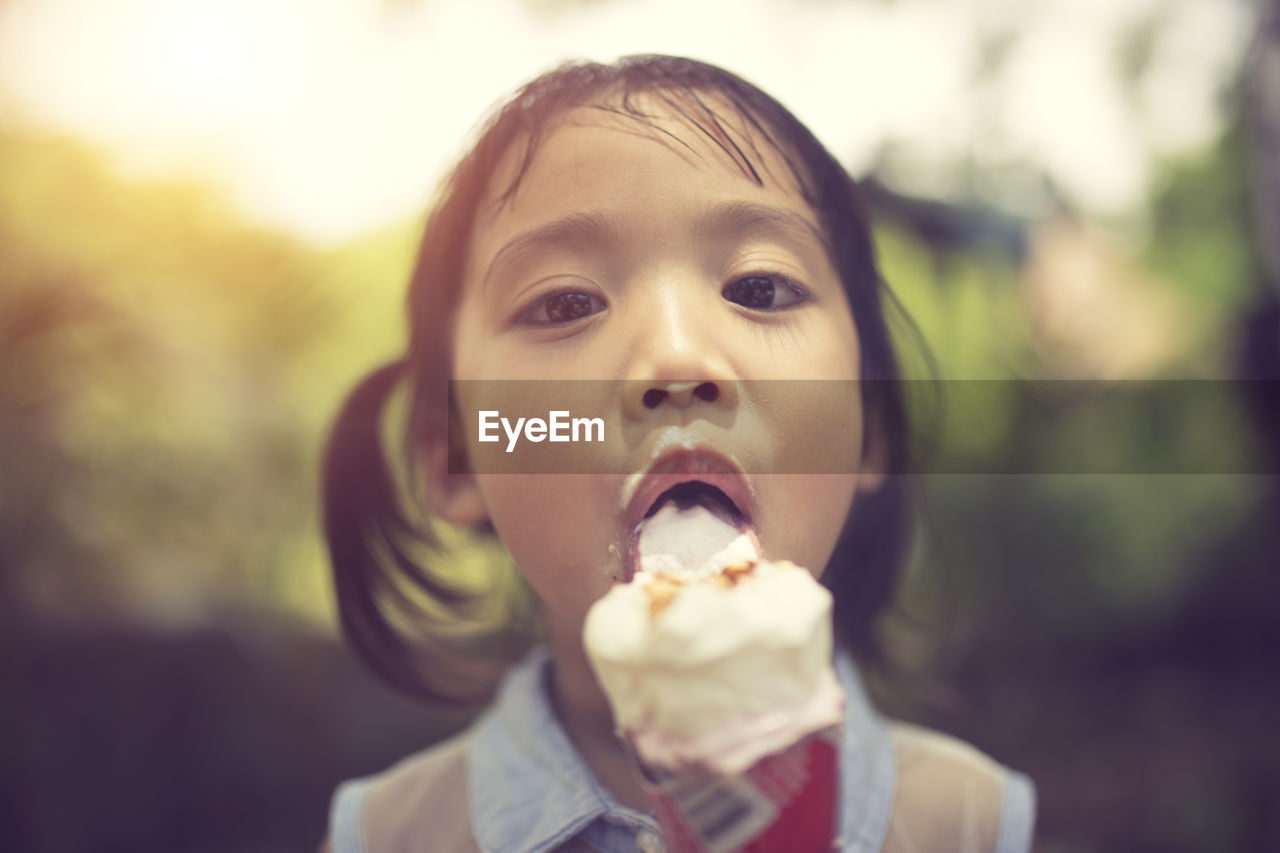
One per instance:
(680,393)
(680,357)
(646,397)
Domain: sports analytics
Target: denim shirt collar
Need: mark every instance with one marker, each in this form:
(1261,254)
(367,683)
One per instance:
(531,792)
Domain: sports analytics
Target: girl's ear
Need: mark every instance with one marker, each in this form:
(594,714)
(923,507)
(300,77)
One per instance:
(453,493)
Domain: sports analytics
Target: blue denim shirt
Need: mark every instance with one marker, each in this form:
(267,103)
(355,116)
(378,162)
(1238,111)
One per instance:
(530,791)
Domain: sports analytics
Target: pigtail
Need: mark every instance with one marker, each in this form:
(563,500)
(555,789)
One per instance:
(359,496)
(402,606)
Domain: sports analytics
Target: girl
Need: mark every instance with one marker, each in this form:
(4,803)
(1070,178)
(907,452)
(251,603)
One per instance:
(667,227)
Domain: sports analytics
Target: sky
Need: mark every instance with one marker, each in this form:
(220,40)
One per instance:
(332,118)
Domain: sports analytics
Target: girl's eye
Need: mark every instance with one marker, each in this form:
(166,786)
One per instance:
(561,308)
(765,292)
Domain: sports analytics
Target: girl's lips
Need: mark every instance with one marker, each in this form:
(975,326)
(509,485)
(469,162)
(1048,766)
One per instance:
(686,464)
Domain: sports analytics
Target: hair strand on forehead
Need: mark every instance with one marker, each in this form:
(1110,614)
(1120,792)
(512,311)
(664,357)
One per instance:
(722,140)
(646,119)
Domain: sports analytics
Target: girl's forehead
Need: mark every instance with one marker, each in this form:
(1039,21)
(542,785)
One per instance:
(705,127)
(587,156)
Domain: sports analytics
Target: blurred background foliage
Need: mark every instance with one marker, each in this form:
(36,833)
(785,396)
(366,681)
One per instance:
(167,373)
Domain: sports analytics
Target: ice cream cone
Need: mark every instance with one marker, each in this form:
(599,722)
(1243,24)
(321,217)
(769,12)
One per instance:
(718,670)
(786,801)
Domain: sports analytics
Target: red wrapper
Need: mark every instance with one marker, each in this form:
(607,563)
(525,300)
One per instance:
(786,801)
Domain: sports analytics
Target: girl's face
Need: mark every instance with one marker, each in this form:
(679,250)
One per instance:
(643,257)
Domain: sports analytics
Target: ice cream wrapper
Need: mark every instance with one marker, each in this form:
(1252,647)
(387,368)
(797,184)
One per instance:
(788,800)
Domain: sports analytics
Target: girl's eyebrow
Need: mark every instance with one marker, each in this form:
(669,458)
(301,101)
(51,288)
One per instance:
(746,217)
(593,228)
(571,231)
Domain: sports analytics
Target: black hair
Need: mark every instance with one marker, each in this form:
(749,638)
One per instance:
(403,607)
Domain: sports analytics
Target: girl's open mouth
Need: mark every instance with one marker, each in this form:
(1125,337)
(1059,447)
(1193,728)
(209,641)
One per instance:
(697,492)
(701,500)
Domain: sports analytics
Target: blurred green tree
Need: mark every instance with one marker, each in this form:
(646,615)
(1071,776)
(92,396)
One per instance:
(166,373)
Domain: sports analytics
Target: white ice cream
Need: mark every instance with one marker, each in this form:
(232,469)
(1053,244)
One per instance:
(692,540)
(720,675)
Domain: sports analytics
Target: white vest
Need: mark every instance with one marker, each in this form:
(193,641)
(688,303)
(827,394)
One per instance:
(948,799)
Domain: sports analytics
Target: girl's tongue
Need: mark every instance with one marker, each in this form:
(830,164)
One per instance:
(693,540)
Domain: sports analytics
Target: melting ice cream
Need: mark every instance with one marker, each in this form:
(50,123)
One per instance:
(712,656)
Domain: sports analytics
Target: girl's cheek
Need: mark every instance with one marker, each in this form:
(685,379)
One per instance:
(812,510)
(558,542)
